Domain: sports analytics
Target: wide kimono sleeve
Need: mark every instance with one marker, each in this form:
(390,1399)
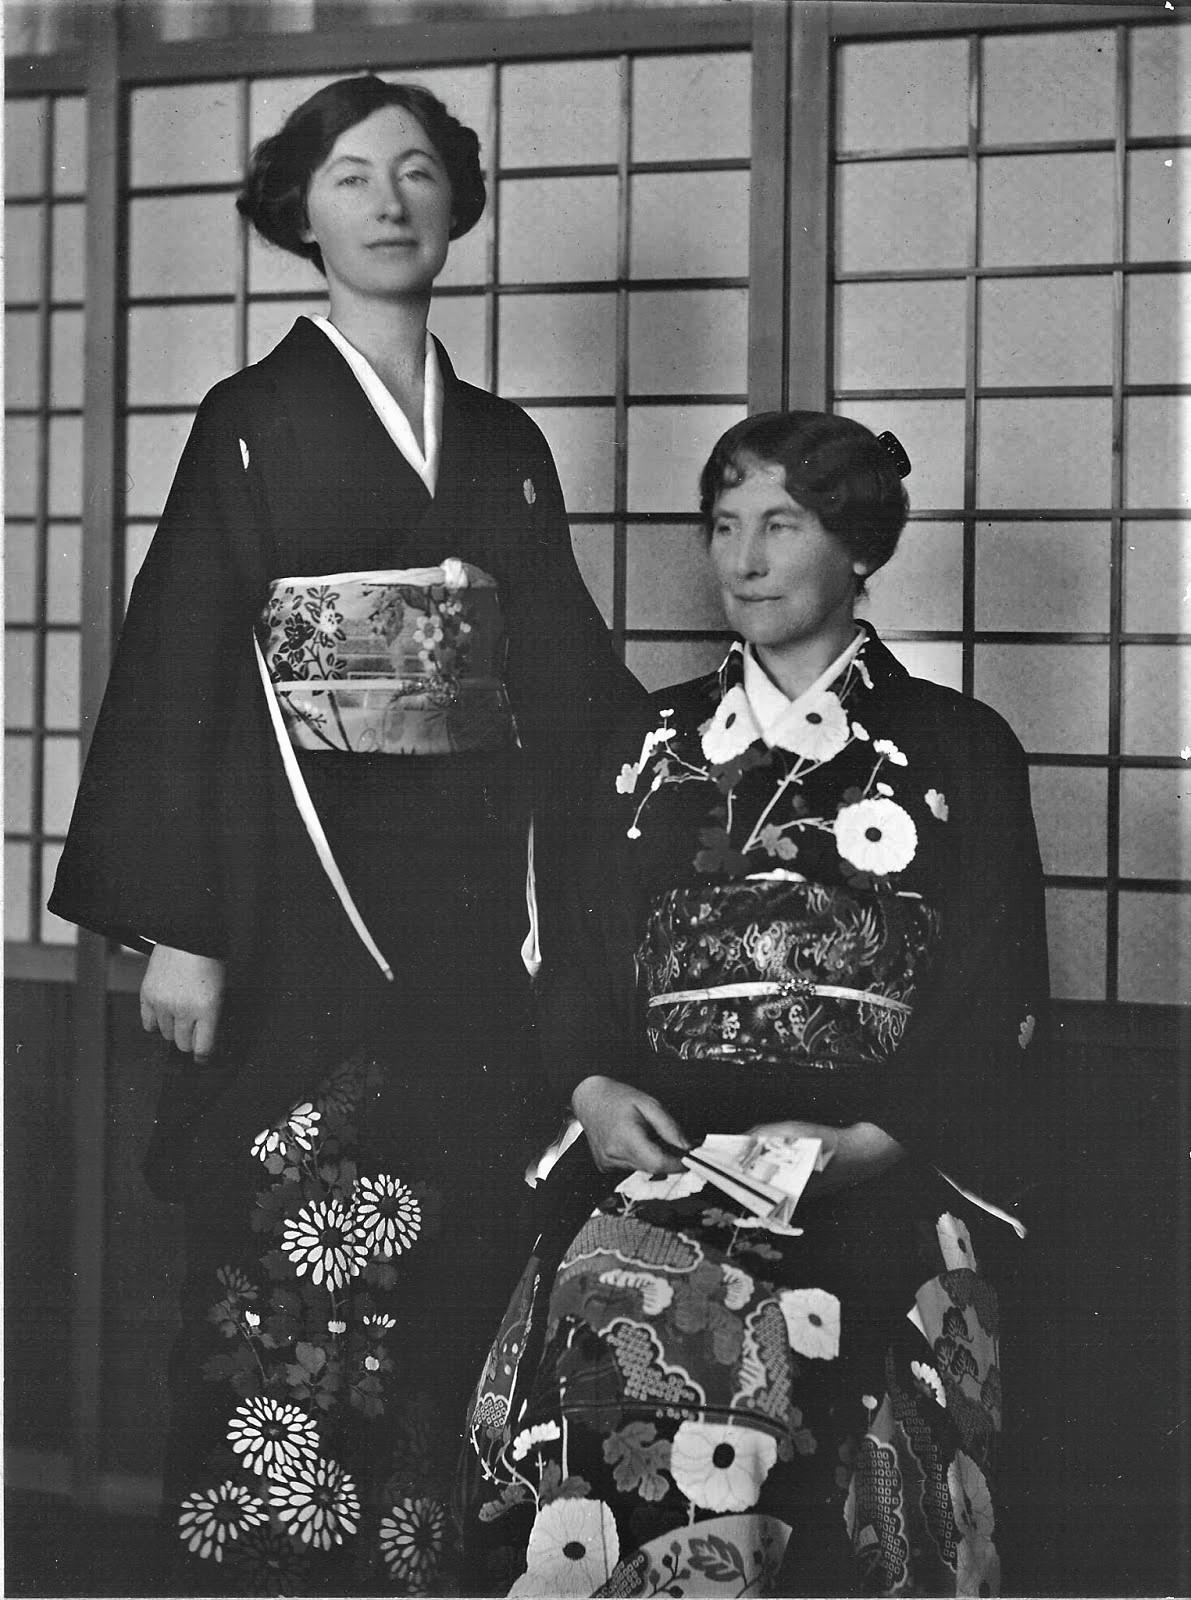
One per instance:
(967,1088)
(141,861)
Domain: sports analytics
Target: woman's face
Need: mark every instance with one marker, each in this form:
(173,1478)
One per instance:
(784,580)
(379,208)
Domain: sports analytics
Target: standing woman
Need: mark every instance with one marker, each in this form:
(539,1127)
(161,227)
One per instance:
(348,716)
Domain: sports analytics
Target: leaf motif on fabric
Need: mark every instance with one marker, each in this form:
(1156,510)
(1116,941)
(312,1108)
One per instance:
(512,1495)
(638,1459)
(718,1558)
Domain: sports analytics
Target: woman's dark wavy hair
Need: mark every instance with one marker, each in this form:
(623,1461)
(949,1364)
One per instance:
(273,197)
(833,466)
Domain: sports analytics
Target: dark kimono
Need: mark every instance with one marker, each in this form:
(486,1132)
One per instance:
(350,1159)
(683,1399)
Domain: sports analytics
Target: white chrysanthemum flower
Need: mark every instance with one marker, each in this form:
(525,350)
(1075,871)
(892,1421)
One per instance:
(876,836)
(336,1325)
(887,748)
(540,1433)
(380,1322)
(411,1542)
(936,804)
(929,1379)
(386,1215)
(252,1318)
(955,1242)
(321,1240)
(317,1503)
(812,1322)
(664,1186)
(302,1125)
(572,1550)
(721,1466)
(269,1142)
(814,728)
(626,778)
(213,1516)
(731,729)
(271,1436)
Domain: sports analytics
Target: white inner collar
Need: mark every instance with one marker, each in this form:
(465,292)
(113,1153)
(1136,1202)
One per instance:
(393,418)
(770,705)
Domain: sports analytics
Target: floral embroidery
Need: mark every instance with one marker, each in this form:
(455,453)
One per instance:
(387,1214)
(411,1541)
(212,1517)
(322,1241)
(812,1321)
(272,1437)
(317,1503)
(876,836)
(572,1549)
(721,1467)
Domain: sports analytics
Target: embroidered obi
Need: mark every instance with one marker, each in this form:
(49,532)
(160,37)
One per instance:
(782,971)
(389,663)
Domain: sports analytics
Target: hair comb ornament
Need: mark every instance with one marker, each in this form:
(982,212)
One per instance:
(894,449)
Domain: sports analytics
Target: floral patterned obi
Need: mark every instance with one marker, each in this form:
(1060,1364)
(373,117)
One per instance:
(782,971)
(391,663)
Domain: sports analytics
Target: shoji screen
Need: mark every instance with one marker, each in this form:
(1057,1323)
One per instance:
(43,324)
(1009,288)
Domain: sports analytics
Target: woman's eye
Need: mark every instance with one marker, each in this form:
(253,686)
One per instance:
(351,178)
(422,173)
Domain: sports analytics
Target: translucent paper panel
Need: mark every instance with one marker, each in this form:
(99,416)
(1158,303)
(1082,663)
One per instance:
(19,651)
(692,341)
(175,353)
(1045,331)
(70,145)
(557,229)
(1159,81)
(270,320)
(670,584)
(1042,577)
(668,446)
(460,322)
(1070,810)
(18,782)
(22,252)
(53,929)
(899,335)
(660,662)
(182,245)
(1046,210)
(467,258)
(465,91)
(20,466)
(559,113)
(689,225)
(272,270)
(62,680)
(922,586)
(138,536)
(581,439)
(923,658)
(1159,217)
(1075,924)
(69,244)
(66,359)
(1054,696)
(270,101)
(20,584)
(61,769)
(1039,87)
(1052,452)
(1156,704)
(24,146)
(894,216)
(186,133)
(1155,936)
(557,344)
(1157,577)
(22,358)
(154,445)
(63,573)
(594,557)
(16,892)
(66,466)
(902,96)
(1156,824)
(932,432)
(1158,328)
(1157,453)
(691,107)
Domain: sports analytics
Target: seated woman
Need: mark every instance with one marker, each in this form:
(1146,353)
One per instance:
(809,907)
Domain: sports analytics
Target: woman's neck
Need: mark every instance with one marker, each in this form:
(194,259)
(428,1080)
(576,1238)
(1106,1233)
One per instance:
(796,665)
(391,335)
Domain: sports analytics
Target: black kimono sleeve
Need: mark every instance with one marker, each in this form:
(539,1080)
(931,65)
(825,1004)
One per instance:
(141,860)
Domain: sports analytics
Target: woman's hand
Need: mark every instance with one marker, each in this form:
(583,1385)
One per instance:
(856,1153)
(181,994)
(623,1126)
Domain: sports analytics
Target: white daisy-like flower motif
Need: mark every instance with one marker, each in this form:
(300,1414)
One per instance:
(271,1436)
(812,1322)
(665,1186)
(572,1549)
(970,1499)
(936,804)
(380,1322)
(869,1402)
(411,1541)
(626,778)
(1026,1032)
(887,748)
(955,1242)
(269,1142)
(721,1466)
(322,1241)
(252,1318)
(929,1379)
(213,1516)
(876,836)
(336,1325)
(302,1125)
(386,1215)
(815,727)
(730,730)
(317,1503)
(540,1433)
(371,1364)
(237,1283)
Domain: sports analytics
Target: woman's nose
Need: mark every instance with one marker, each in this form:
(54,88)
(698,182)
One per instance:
(750,552)
(391,200)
